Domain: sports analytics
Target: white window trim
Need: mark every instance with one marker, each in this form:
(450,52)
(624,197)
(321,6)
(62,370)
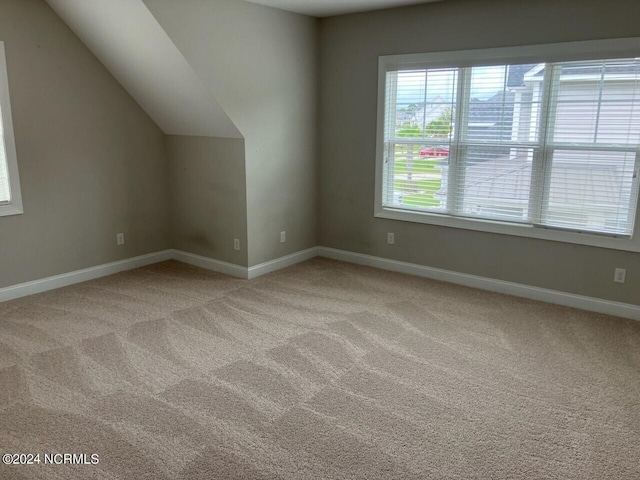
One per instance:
(14,206)
(570,51)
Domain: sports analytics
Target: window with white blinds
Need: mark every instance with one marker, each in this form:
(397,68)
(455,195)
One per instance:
(547,145)
(5,195)
(10,197)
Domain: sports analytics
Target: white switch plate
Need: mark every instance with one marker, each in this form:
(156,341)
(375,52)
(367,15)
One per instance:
(620,276)
(283,237)
(120,238)
(236,244)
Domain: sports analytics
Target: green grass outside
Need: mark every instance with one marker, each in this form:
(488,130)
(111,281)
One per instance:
(420,165)
(417,193)
(420,201)
(431,185)
(426,189)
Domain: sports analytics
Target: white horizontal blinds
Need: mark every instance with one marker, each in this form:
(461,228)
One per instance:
(554,145)
(419,125)
(597,103)
(5,194)
(388,180)
(592,155)
(499,142)
(592,190)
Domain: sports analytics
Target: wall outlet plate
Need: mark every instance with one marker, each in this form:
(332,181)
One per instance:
(391,238)
(620,276)
(120,238)
(236,244)
(283,237)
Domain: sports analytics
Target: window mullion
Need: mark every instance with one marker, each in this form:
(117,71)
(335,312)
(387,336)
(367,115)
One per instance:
(458,152)
(635,212)
(541,180)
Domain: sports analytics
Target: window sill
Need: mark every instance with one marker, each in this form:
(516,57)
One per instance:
(503,228)
(9,209)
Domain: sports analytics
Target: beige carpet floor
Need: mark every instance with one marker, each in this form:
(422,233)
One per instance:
(323,370)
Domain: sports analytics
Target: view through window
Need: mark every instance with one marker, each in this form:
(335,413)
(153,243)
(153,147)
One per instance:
(5,195)
(544,144)
(10,195)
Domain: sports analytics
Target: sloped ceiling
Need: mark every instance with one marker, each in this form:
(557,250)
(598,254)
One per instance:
(131,44)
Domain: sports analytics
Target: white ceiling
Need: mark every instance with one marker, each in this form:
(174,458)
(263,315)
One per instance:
(327,8)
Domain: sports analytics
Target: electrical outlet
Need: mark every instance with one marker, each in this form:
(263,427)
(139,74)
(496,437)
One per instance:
(236,244)
(283,237)
(620,276)
(391,238)
(120,238)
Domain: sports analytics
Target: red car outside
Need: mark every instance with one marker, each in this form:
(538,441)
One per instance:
(434,152)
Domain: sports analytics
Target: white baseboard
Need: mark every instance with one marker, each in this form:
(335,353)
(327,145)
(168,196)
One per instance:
(244,272)
(65,279)
(282,262)
(70,278)
(598,305)
(210,264)
(624,310)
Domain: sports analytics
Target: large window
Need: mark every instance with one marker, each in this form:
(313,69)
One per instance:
(497,141)
(10,198)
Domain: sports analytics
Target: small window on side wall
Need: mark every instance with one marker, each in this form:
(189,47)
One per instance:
(10,196)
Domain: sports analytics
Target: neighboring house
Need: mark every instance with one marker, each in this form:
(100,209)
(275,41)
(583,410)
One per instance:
(506,182)
(497,180)
(404,117)
(493,119)
(577,108)
(429,112)
(488,119)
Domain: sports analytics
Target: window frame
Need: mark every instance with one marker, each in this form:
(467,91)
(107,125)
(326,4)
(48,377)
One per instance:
(14,205)
(544,53)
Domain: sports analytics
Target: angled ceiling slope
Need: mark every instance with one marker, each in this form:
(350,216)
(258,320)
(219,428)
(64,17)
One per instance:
(131,44)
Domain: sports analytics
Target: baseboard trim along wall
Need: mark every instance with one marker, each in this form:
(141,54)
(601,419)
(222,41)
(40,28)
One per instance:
(598,305)
(244,272)
(210,264)
(592,304)
(282,262)
(63,280)
(78,276)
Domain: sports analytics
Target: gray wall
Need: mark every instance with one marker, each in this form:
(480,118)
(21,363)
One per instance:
(261,65)
(91,162)
(350,46)
(208,196)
